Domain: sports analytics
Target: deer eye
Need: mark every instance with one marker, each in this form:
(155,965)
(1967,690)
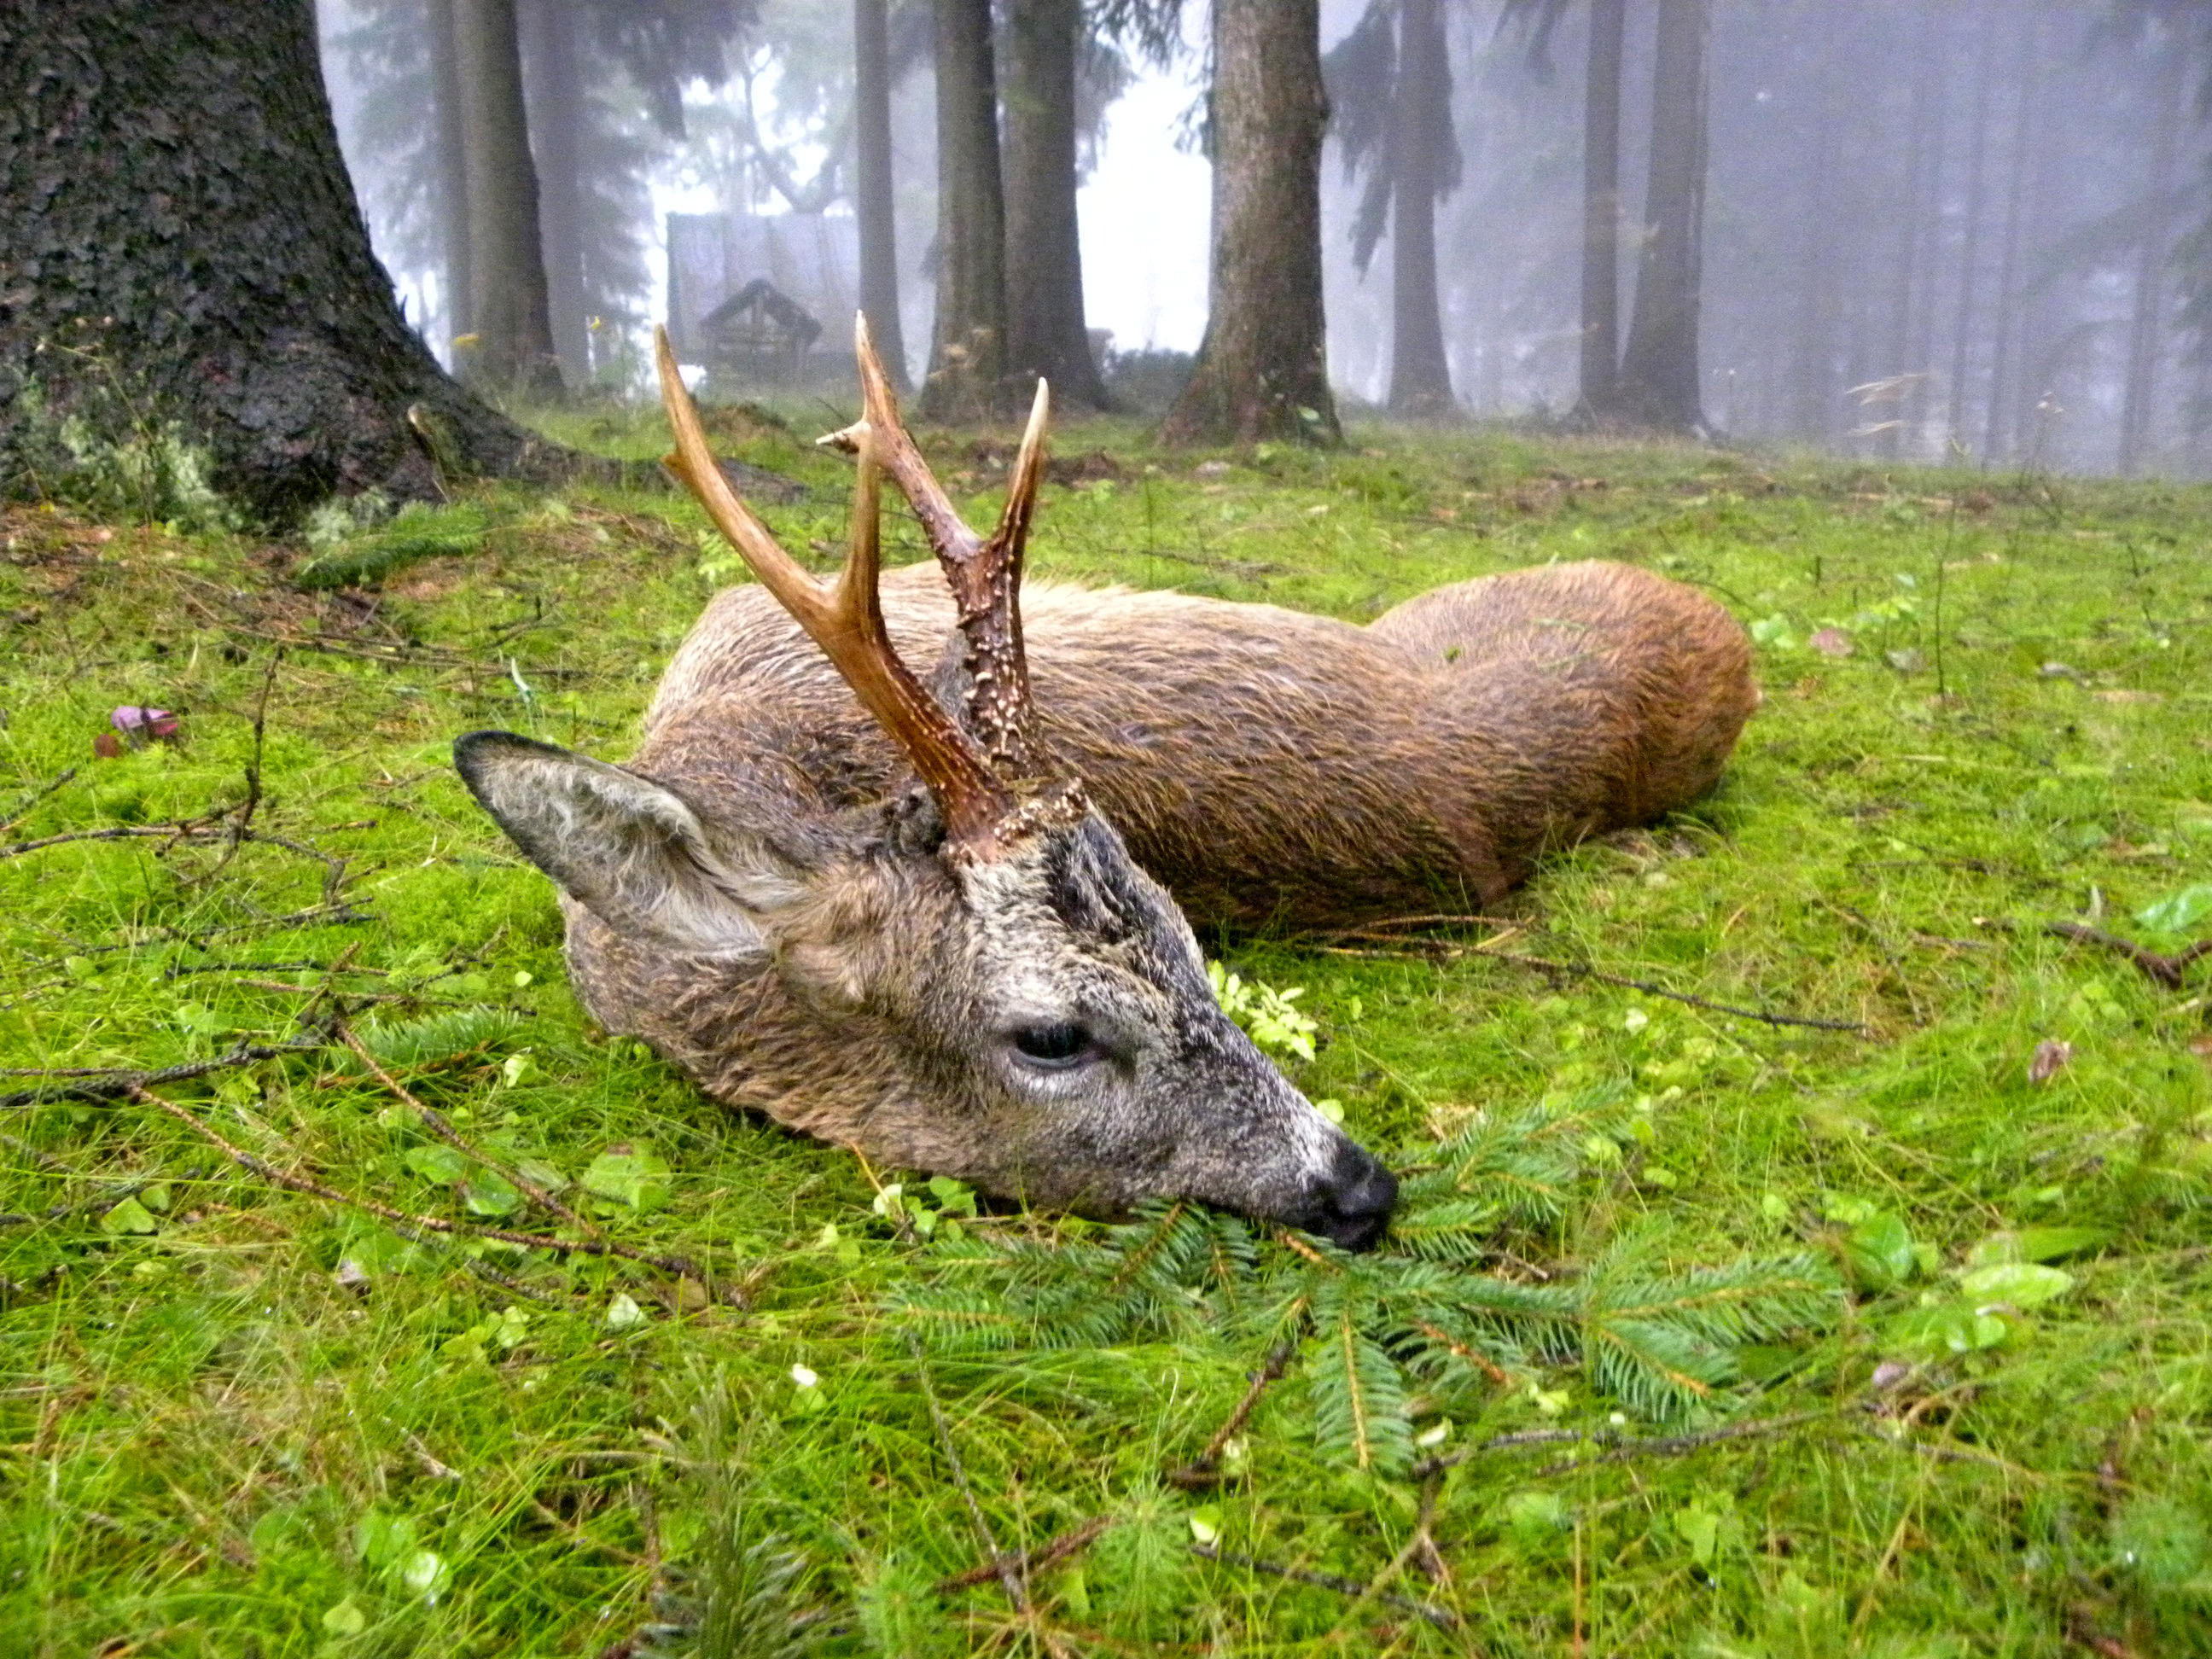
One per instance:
(1055,1047)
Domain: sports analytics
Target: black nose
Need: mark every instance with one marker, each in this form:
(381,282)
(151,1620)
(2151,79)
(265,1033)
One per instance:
(1352,1204)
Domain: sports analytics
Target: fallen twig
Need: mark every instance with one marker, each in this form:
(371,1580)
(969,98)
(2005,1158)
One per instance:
(1621,1448)
(2168,971)
(1003,1567)
(21,810)
(404,1220)
(1203,1470)
(1442,1617)
(109,1083)
(1030,1561)
(439,1125)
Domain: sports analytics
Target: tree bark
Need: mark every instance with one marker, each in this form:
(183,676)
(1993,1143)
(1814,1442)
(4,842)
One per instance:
(514,352)
(2139,391)
(452,173)
(1996,437)
(1659,374)
(1262,370)
(1969,256)
(1904,367)
(180,248)
(875,198)
(1601,355)
(1421,374)
(1045,330)
(555,113)
(967,372)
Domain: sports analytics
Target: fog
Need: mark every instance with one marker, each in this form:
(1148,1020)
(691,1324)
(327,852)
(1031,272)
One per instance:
(1971,229)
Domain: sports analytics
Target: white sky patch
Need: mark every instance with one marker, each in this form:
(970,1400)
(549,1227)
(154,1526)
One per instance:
(1146,214)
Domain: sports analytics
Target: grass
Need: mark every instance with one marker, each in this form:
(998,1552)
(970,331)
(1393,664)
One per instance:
(237,1418)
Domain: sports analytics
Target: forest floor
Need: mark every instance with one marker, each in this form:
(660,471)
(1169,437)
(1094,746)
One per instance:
(244,1417)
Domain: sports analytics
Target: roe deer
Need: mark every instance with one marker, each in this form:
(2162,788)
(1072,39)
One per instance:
(983,975)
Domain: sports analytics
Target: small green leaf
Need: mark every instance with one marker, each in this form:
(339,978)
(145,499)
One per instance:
(623,1314)
(1879,1251)
(2177,912)
(2036,1244)
(632,1173)
(2017,1284)
(128,1216)
(438,1163)
(487,1192)
(345,1619)
(542,1175)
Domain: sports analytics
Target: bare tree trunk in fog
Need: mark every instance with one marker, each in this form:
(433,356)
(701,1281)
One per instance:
(2138,401)
(1659,374)
(875,198)
(452,171)
(1263,370)
(1601,359)
(1911,223)
(556,108)
(514,337)
(1969,256)
(1928,211)
(1996,440)
(1814,345)
(1045,330)
(1420,375)
(968,361)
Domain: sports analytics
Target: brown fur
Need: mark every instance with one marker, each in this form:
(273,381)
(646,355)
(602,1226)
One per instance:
(1267,765)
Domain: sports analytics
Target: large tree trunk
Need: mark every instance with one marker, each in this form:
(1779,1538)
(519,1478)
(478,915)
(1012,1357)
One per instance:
(2139,391)
(1045,328)
(1659,374)
(1969,256)
(967,367)
(452,173)
(1996,438)
(1905,370)
(514,351)
(1601,359)
(1263,369)
(556,114)
(180,245)
(1420,129)
(875,198)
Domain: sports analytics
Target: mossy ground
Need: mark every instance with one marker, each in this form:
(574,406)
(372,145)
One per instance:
(215,1442)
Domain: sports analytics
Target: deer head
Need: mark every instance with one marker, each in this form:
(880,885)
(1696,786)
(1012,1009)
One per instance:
(975,979)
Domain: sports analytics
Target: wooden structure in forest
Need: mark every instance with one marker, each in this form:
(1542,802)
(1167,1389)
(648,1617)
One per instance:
(742,286)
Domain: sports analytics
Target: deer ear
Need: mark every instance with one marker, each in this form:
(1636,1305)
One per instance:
(631,851)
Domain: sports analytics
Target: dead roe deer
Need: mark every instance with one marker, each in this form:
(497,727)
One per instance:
(935,916)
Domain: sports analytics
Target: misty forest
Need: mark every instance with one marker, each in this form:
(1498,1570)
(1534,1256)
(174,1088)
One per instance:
(1097,827)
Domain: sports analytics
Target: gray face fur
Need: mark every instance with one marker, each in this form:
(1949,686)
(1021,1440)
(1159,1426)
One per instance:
(1039,1023)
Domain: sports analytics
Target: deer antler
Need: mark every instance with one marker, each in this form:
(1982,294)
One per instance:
(846,620)
(985,574)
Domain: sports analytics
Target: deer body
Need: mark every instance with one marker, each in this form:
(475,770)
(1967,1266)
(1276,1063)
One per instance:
(983,975)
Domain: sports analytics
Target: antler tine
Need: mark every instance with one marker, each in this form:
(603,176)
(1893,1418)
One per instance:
(846,620)
(985,577)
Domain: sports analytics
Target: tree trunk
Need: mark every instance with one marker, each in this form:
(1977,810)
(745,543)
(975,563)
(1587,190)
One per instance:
(556,112)
(1262,370)
(1996,438)
(967,372)
(1045,328)
(453,173)
(514,351)
(1903,367)
(1659,374)
(2140,392)
(1813,337)
(180,248)
(1601,364)
(875,196)
(1969,256)
(1420,128)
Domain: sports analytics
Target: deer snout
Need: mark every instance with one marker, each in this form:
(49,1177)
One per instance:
(1350,1203)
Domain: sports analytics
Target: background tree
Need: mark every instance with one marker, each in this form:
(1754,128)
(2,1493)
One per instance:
(1262,370)
(181,258)
(514,334)
(875,190)
(1045,332)
(1660,385)
(1389,84)
(967,359)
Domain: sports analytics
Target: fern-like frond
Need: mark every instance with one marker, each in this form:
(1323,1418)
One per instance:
(1358,1395)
